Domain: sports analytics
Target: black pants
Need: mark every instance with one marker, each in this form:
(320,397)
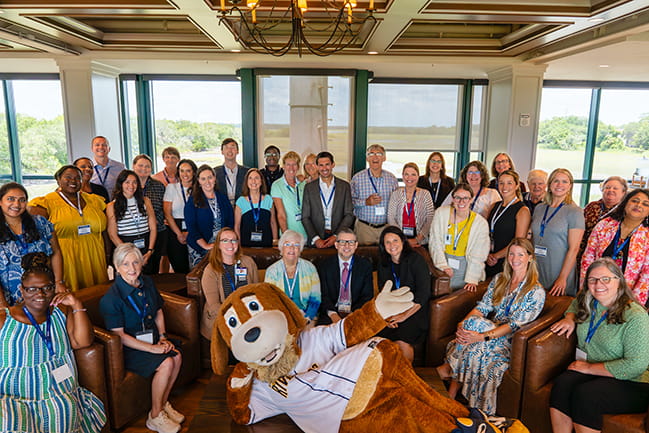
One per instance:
(585,397)
(152,267)
(177,252)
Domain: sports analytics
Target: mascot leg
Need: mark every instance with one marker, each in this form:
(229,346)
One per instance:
(404,402)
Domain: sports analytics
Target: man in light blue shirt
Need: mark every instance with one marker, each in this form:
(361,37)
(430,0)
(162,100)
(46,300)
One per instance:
(371,189)
(105,169)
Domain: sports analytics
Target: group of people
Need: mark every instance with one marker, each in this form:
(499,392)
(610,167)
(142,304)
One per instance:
(531,241)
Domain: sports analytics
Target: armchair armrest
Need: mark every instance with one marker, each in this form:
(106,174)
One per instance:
(193,278)
(181,316)
(90,366)
(114,357)
(548,355)
(440,283)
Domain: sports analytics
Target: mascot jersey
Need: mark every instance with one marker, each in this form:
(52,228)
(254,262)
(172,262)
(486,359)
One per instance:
(322,382)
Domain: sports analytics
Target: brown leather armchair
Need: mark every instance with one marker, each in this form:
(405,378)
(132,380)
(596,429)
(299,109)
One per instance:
(91,377)
(127,394)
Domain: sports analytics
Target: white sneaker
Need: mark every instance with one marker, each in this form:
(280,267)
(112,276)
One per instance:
(173,414)
(162,423)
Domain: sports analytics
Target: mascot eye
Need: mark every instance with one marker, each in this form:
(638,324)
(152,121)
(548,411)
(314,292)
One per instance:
(231,319)
(232,322)
(253,306)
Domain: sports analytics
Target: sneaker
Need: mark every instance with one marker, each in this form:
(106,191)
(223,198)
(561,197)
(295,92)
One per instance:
(173,414)
(162,423)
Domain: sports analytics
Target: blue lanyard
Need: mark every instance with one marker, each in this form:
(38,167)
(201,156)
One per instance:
(141,313)
(297,191)
(164,173)
(24,246)
(106,170)
(182,192)
(508,307)
(326,203)
(397,280)
(230,280)
(410,206)
(369,174)
(592,326)
(45,336)
(439,186)
(256,213)
(456,238)
(545,221)
(616,239)
(349,274)
(476,198)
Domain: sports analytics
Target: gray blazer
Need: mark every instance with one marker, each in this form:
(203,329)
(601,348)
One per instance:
(221,185)
(342,213)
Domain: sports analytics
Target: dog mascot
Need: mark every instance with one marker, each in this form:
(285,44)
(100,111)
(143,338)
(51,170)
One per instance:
(327,378)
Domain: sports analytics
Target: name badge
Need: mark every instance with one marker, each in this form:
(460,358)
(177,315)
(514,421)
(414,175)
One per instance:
(255,236)
(327,223)
(183,226)
(139,243)
(241,273)
(409,231)
(453,263)
(379,210)
(62,373)
(580,355)
(298,216)
(447,239)
(146,336)
(540,251)
(83,230)
(345,307)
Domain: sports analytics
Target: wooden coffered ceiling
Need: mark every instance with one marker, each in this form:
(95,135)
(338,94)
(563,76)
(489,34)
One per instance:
(522,29)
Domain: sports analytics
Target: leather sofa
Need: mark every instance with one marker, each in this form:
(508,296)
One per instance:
(126,395)
(548,355)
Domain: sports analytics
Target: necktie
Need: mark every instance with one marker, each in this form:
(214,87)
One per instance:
(344,283)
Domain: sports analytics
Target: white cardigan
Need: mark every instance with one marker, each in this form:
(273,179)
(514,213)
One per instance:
(477,248)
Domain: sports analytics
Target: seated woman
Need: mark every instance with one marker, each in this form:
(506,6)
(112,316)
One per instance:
(132,308)
(254,212)
(227,271)
(298,278)
(411,208)
(479,355)
(404,267)
(206,212)
(39,389)
(508,219)
(459,240)
(624,236)
(610,373)
(22,233)
(130,217)
(87,169)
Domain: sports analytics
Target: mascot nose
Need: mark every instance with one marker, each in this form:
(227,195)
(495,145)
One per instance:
(252,335)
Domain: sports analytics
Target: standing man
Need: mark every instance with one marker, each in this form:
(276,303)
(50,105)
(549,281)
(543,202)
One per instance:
(371,191)
(272,171)
(345,280)
(230,175)
(327,206)
(106,169)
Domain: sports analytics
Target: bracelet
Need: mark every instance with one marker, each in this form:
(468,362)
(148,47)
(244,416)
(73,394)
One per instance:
(79,309)
(61,282)
(163,335)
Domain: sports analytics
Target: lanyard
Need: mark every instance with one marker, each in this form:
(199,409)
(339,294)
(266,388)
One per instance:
(106,170)
(182,192)
(256,213)
(397,280)
(439,186)
(24,246)
(297,191)
(136,217)
(546,220)
(369,174)
(291,285)
(327,203)
(410,206)
(213,206)
(345,283)
(497,215)
(78,208)
(508,307)
(164,173)
(592,326)
(45,336)
(456,238)
(141,313)
(616,239)
(230,280)
(476,198)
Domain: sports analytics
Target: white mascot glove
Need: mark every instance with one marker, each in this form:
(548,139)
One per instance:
(389,303)
(240,382)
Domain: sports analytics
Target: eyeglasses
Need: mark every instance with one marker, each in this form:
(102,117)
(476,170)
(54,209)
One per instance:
(229,241)
(291,244)
(473,172)
(345,242)
(45,289)
(271,154)
(458,198)
(502,161)
(604,280)
(436,161)
(374,153)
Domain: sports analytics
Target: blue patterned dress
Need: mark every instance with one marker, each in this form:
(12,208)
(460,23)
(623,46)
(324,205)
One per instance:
(12,252)
(30,399)
(480,366)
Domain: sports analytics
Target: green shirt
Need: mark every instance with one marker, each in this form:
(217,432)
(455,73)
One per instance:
(623,348)
(289,196)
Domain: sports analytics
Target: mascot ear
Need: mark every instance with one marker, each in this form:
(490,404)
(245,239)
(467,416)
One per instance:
(218,350)
(294,313)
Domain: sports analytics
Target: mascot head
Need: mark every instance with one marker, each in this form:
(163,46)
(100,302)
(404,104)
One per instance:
(258,322)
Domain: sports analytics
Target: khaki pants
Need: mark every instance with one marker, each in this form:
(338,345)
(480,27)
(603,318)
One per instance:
(367,235)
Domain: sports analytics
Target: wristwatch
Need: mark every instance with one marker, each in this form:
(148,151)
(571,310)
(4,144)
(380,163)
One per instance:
(487,337)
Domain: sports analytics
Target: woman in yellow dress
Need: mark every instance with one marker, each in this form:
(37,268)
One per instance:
(79,222)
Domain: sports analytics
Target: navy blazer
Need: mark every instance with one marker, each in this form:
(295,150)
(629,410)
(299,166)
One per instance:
(221,182)
(199,220)
(361,283)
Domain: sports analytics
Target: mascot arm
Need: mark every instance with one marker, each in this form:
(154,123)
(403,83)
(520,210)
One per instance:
(370,319)
(239,388)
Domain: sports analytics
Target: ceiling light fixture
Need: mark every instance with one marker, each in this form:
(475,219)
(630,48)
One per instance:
(265,26)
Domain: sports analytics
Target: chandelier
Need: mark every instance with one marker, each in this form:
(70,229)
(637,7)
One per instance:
(276,27)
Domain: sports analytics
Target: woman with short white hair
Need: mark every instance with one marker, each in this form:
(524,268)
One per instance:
(297,277)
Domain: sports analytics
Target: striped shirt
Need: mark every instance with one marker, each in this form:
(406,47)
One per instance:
(133,223)
(362,188)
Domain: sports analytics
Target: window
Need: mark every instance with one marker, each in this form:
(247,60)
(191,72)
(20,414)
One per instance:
(306,114)
(5,154)
(130,120)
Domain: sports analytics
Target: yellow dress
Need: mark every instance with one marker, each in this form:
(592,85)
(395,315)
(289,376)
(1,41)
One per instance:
(84,258)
